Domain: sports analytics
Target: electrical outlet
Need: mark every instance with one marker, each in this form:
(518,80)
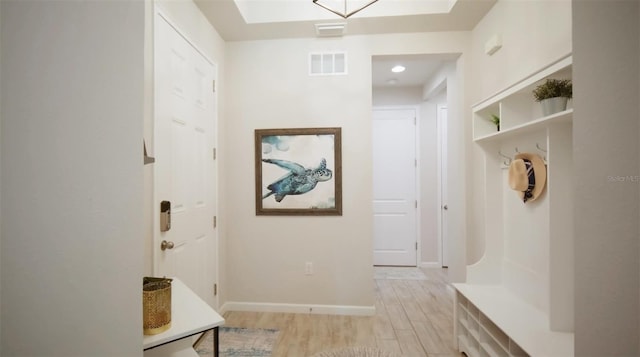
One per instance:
(308,268)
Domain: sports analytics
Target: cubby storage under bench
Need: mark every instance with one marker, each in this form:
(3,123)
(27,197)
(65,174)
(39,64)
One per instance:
(491,321)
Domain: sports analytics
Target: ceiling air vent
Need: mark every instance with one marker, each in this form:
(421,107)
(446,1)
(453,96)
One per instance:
(327,63)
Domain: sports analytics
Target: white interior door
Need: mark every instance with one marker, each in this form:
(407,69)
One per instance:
(394,187)
(184,169)
(442,168)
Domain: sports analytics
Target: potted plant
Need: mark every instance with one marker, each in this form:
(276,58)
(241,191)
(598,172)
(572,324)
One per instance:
(496,121)
(553,95)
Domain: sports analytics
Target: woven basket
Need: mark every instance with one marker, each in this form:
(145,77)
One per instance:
(156,305)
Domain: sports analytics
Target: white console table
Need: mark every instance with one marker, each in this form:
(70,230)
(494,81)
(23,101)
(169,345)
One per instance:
(190,316)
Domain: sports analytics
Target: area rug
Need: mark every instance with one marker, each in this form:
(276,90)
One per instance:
(400,273)
(355,352)
(240,342)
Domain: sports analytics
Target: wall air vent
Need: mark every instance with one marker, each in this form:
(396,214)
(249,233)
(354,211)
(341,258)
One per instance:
(327,63)
(331,30)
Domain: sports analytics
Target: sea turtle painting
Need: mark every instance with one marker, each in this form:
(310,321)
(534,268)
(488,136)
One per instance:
(299,180)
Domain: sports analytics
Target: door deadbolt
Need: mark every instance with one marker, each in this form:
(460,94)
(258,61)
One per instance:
(164,245)
(165,216)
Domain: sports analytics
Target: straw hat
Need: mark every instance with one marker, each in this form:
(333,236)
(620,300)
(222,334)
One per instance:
(527,176)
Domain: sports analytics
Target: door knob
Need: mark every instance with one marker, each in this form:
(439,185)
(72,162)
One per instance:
(445,207)
(164,245)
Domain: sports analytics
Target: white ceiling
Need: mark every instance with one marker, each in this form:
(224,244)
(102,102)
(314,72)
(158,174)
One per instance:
(263,11)
(245,20)
(271,19)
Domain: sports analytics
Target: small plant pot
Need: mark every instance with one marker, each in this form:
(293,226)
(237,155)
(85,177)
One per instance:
(553,105)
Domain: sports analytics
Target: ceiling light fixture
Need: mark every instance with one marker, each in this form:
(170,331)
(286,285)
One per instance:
(398,69)
(344,14)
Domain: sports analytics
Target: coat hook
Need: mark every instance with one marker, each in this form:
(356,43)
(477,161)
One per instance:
(506,163)
(539,148)
(544,157)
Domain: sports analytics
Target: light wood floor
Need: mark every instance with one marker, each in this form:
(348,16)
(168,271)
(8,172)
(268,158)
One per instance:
(413,318)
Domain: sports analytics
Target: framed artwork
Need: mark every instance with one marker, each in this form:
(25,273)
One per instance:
(299,171)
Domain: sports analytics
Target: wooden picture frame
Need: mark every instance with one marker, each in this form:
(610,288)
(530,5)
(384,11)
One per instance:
(298,171)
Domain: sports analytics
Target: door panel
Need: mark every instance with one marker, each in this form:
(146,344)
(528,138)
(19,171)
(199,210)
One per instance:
(184,129)
(394,187)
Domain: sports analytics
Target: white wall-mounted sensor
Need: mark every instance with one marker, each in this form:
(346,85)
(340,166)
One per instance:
(493,45)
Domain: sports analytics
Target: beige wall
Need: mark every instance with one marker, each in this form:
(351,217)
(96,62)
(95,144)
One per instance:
(268,87)
(72,178)
(396,96)
(534,34)
(606,163)
(0,166)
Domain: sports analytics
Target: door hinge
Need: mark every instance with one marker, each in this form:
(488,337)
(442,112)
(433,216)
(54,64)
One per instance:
(215,289)
(215,221)
(213,85)
(416,245)
(215,153)
(416,203)
(415,121)
(415,162)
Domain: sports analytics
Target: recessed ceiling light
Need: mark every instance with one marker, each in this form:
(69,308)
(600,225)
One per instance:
(398,69)
(392,81)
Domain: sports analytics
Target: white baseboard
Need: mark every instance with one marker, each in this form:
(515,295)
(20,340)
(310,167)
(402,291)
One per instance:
(430,265)
(298,308)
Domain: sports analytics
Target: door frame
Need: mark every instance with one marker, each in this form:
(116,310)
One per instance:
(416,110)
(155,215)
(441,166)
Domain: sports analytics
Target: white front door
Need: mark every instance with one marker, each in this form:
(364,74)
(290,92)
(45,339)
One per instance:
(184,134)
(394,187)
